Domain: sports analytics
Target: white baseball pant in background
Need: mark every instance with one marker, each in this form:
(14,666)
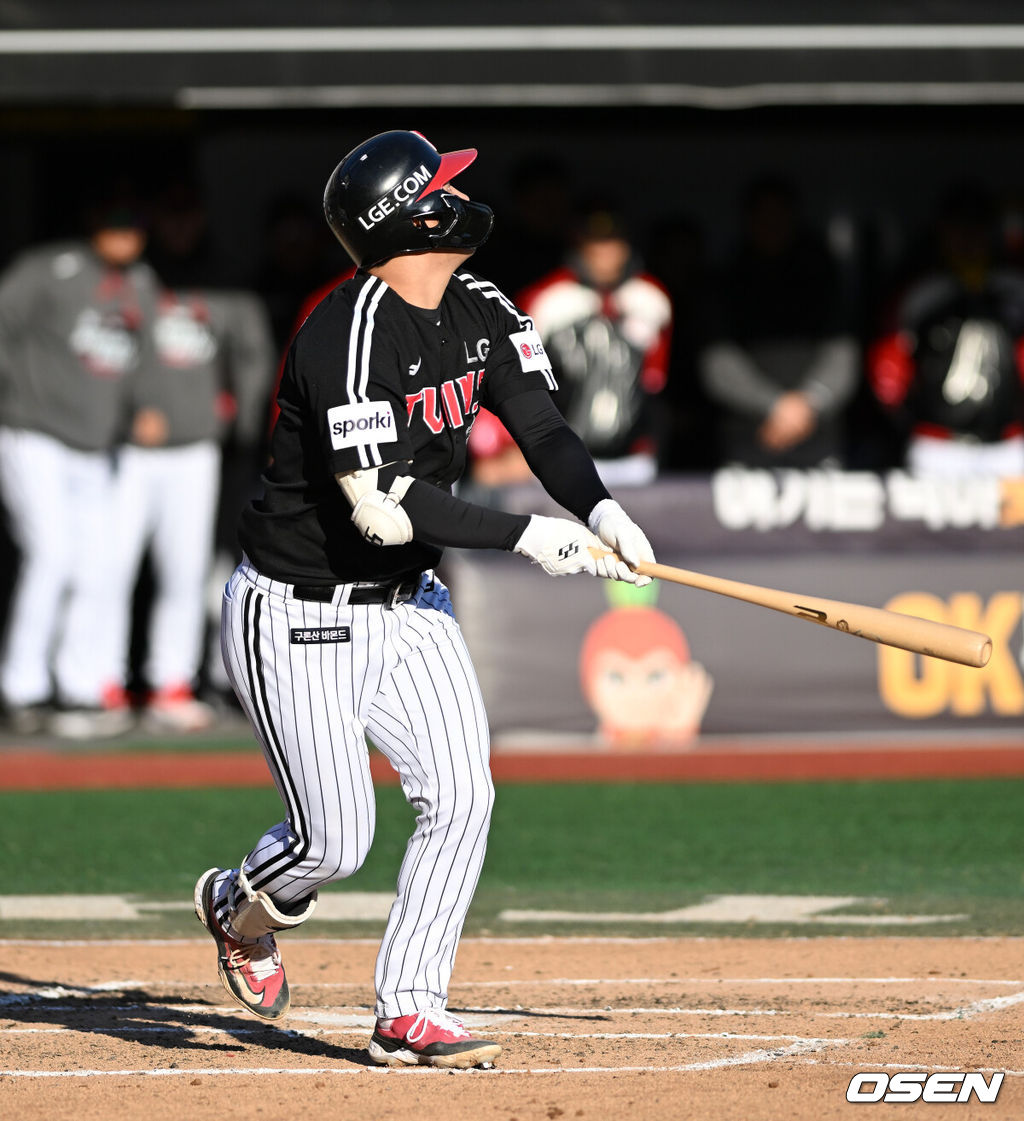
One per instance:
(315,679)
(166,498)
(59,501)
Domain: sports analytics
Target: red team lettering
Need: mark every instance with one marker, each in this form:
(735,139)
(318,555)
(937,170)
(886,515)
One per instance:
(459,399)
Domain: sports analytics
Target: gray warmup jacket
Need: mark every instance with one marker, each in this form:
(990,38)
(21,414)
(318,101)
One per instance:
(209,343)
(73,334)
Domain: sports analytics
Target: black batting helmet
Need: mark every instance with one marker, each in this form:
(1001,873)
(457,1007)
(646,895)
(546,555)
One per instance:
(377,199)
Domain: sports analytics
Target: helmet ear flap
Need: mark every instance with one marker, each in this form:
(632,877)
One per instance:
(433,214)
(450,222)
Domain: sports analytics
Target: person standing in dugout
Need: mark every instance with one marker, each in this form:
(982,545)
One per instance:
(75,328)
(334,626)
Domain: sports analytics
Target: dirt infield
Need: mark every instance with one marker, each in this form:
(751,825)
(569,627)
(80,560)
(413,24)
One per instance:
(666,1028)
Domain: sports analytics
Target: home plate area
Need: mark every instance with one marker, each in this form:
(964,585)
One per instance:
(595,1027)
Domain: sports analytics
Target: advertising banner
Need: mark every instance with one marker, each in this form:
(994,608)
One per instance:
(654,668)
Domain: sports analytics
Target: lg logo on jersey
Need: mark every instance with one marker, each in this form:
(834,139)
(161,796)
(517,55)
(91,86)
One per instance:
(530,350)
(483,348)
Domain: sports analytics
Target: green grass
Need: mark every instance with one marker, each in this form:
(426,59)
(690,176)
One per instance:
(926,847)
(828,838)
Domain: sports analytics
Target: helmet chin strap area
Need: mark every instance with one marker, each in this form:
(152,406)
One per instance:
(471,225)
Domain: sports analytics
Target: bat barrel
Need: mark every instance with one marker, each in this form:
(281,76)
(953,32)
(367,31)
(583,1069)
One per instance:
(891,628)
(922,636)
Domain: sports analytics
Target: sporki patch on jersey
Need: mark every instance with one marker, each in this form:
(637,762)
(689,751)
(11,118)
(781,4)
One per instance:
(351,425)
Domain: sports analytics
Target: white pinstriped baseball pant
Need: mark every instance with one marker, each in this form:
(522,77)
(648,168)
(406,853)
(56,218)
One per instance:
(403,677)
(60,502)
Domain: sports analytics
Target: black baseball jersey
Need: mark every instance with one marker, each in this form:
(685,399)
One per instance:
(965,346)
(370,380)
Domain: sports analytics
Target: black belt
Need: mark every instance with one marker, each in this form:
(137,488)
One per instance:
(360,593)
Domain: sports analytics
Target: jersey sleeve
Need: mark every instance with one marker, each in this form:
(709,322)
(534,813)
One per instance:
(348,363)
(251,362)
(20,287)
(517,361)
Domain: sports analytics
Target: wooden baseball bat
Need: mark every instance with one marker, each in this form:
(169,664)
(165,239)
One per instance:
(908,632)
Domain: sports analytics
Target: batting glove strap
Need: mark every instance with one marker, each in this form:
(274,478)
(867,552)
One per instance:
(619,532)
(559,546)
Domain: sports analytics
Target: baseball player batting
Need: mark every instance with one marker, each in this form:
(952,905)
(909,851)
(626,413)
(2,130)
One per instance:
(335,627)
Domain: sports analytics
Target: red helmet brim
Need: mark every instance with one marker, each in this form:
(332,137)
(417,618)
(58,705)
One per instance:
(452,163)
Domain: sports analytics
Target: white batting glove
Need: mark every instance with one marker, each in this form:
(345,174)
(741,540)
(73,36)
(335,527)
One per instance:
(619,532)
(559,546)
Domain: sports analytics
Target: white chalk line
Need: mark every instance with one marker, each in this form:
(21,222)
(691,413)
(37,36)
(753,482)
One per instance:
(124,984)
(964,1012)
(521,1011)
(800,1046)
(748,1058)
(319,1033)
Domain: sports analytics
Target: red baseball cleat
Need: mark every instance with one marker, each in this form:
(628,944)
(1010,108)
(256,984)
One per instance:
(432,1038)
(252,973)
